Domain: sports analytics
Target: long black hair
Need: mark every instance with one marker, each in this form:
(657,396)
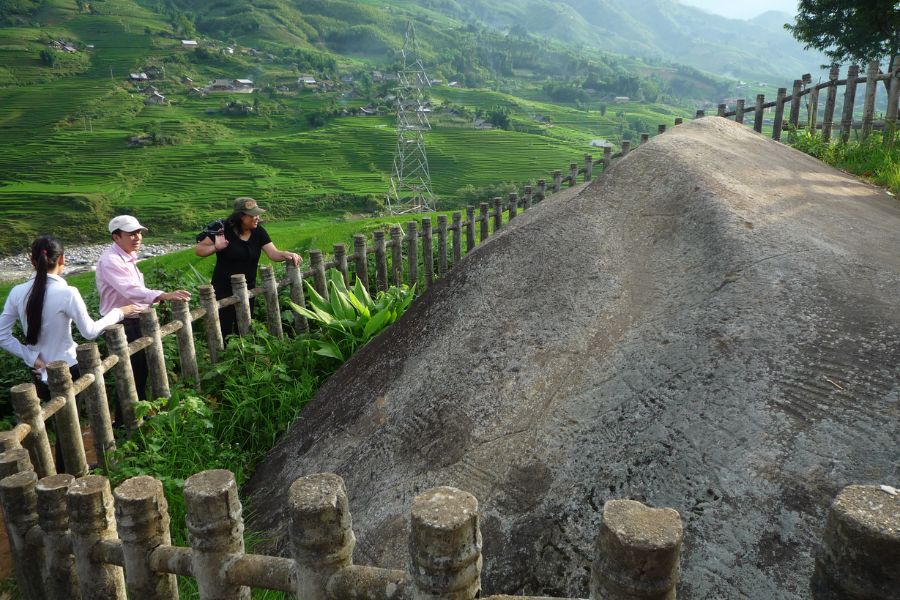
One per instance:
(234,220)
(45,251)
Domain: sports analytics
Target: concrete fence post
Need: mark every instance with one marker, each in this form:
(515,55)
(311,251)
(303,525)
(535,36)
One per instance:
(442,245)
(445,546)
(142,520)
(812,109)
(526,198)
(412,254)
(699,114)
(59,564)
(483,221)
(340,259)
(68,427)
(869,99)
(214,341)
(661,129)
(14,461)
(830,101)
(9,440)
(156,358)
(216,532)
(645,137)
(397,254)
(739,110)
(96,402)
(427,252)
(457,237)
(187,353)
(860,550)
(298,296)
(513,206)
(317,264)
(126,390)
(91,520)
(720,112)
(498,212)
(557,181)
(361,259)
(626,147)
(19,498)
(678,121)
(638,553)
(380,260)
(542,187)
(470,228)
(794,118)
(758,117)
(849,99)
(321,532)
(573,174)
(273,307)
(27,407)
(778,123)
(890,116)
(607,157)
(242,308)
(588,168)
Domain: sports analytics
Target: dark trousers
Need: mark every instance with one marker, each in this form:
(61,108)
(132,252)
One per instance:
(228,318)
(138,363)
(43,392)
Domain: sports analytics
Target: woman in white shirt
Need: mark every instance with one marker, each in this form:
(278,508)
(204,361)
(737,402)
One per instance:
(46,305)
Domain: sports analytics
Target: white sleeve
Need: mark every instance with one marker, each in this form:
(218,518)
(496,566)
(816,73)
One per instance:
(8,320)
(88,327)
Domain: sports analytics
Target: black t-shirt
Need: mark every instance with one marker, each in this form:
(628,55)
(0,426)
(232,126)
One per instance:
(238,256)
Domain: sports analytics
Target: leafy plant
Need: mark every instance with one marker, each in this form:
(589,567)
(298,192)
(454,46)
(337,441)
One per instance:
(350,317)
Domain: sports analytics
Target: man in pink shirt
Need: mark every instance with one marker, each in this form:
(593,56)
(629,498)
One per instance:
(121,283)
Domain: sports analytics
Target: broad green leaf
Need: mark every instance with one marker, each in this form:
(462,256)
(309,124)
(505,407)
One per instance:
(376,324)
(360,307)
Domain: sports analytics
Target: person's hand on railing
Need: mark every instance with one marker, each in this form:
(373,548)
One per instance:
(130,311)
(39,365)
(291,258)
(176,295)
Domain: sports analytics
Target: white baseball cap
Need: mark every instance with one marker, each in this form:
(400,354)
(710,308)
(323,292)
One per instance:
(125,223)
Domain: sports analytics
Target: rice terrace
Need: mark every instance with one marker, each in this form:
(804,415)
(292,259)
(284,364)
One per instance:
(641,343)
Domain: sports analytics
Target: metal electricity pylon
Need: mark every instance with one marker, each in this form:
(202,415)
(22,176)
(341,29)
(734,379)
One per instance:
(411,181)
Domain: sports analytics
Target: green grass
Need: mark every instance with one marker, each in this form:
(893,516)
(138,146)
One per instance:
(868,158)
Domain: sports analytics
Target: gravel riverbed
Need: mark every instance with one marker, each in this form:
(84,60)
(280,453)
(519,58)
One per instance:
(78,259)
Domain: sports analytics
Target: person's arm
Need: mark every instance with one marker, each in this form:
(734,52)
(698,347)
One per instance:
(207,247)
(276,255)
(7,321)
(89,328)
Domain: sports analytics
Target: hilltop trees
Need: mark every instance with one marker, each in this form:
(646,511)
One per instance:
(849,29)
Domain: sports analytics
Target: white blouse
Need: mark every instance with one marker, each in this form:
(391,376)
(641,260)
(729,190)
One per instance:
(62,305)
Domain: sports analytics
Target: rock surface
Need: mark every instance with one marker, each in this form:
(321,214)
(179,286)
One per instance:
(711,326)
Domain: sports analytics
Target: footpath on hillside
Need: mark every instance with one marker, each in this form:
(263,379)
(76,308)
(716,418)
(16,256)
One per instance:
(711,326)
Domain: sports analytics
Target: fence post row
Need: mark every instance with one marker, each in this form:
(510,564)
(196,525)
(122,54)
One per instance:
(68,427)
(156,360)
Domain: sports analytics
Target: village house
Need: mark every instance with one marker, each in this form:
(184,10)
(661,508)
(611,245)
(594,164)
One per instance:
(377,76)
(155,98)
(306,81)
(194,91)
(243,84)
(138,77)
(189,44)
(150,90)
(621,99)
(228,50)
(221,85)
(154,72)
(187,80)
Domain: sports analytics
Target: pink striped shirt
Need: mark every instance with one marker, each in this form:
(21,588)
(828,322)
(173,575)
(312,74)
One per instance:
(120,282)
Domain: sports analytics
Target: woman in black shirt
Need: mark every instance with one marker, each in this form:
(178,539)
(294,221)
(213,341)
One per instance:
(237,245)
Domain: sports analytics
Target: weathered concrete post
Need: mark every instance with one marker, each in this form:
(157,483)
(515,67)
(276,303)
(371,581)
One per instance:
(19,498)
(812,109)
(242,307)
(14,461)
(645,137)
(720,110)
(483,221)
(498,211)
(513,206)
(739,111)
(27,407)
(679,120)
(457,237)
(96,401)
(526,198)
(758,117)
(9,440)
(321,532)
(380,260)
(557,181)
(273,308)
(340,258)
(317,264)
(126,391)
(59,564)
(869,99)
(794,118)
(412,255)
(298,296)
(849,99)
(92,520)
(626,147)
(779,114)
(700,114)
(542,185)
(215,531)
(470,228)
(573,174)
(890,116)
(588,170)
(427,252)
(142,520)
(830,101)
(445,546)
(68,428)
(860,550)
(214,341)
(360,259)
(397,254)
(156,359)
(187,353)
(661,129)
(442,245)
(638,553)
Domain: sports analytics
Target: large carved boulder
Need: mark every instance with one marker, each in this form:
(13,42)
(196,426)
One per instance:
(712,326)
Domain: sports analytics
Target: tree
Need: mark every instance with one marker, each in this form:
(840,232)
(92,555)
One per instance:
(849,30)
